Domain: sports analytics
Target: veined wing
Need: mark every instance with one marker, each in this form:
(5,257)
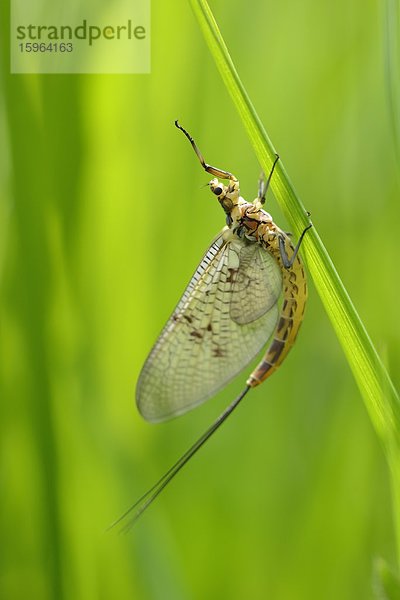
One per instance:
(223,319)
(256,286)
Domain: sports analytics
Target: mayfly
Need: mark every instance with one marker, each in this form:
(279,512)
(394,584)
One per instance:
(226,314)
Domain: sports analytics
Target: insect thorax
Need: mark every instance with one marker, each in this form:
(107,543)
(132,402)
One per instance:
(246,220)
(249,221)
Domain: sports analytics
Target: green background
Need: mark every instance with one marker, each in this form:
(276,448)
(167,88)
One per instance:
(103,218)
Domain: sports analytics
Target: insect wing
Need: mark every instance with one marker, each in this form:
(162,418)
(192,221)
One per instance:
(257,284)
(208,340)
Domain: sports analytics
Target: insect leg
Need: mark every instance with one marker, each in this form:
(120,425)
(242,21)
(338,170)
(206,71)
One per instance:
(261,181)
(264,185)
(213,170)
(287,263)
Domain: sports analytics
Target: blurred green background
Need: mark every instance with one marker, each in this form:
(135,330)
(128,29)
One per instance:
(103,218)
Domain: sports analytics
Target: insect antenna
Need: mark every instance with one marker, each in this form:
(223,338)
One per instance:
(137,509)
(209,168)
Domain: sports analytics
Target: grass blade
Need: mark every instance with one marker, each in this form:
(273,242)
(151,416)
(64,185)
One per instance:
(380,396)
(392,69)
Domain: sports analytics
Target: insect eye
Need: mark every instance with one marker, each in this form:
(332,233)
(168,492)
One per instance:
(217,191)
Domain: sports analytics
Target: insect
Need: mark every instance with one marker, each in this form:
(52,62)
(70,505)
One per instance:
(225,316)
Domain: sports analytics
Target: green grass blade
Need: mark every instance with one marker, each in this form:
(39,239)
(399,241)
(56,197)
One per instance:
(376,387)
(392,69)
(387,585)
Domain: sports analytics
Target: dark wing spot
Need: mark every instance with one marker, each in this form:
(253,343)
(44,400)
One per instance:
(196,334)
(232,273)
(218,352)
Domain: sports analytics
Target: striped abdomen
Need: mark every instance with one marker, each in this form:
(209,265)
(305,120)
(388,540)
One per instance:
(290,318)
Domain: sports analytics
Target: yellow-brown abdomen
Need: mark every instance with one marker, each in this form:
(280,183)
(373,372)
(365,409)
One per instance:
(290,318)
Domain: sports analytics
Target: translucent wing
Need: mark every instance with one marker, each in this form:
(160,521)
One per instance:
(223,319)
(256,284)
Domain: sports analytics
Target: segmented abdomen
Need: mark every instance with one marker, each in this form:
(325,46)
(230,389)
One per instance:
(290,318)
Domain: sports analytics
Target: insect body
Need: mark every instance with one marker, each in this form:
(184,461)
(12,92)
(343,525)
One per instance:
(228,311)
